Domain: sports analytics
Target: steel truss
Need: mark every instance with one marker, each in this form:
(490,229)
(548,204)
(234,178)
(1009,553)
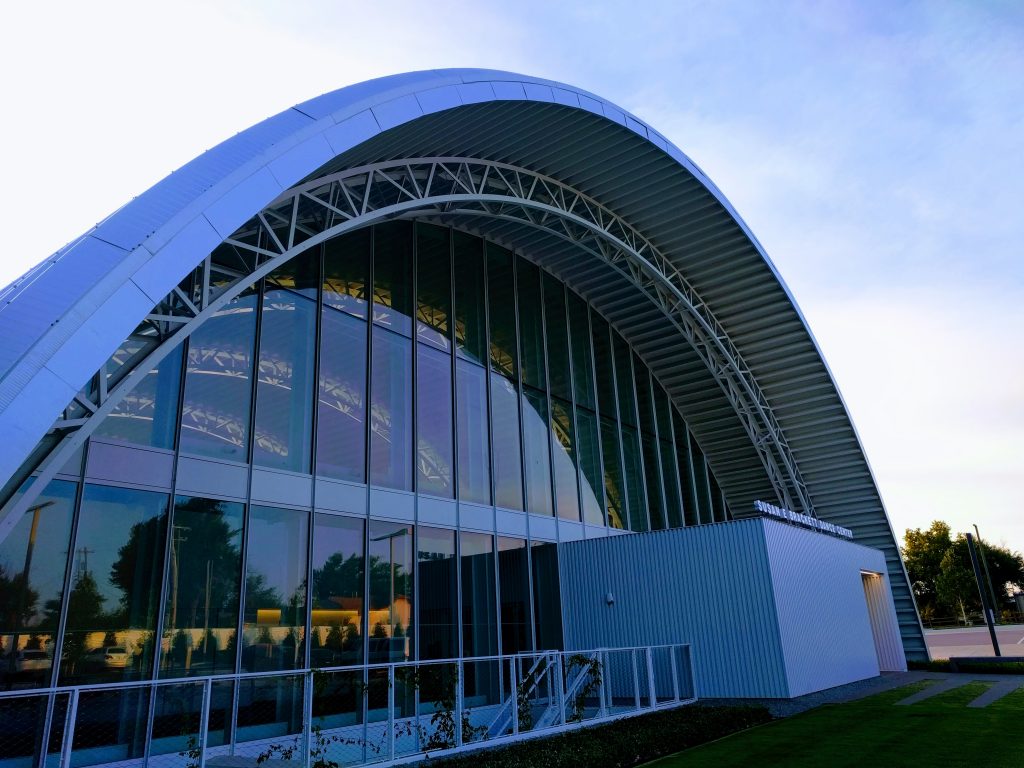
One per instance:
(450,187)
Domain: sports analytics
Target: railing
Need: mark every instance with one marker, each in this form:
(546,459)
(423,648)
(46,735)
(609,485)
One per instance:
(327,718)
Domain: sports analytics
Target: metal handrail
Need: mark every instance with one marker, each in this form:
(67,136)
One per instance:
(397,737)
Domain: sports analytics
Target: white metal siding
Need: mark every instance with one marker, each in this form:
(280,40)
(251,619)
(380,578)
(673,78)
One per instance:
(771,610)
(707,586)
(822,613)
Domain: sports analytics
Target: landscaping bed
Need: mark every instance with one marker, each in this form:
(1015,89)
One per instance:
(627,742)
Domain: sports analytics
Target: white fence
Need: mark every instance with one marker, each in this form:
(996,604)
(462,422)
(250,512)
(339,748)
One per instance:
(328,718)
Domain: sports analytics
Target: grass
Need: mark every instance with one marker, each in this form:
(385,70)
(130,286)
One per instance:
(940,730)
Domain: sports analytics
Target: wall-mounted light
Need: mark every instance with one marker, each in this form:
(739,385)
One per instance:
(609,598)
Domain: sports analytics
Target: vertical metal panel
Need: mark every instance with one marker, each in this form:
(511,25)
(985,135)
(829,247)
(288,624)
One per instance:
(771,610)
(706,585)
(823,616)
(884,622)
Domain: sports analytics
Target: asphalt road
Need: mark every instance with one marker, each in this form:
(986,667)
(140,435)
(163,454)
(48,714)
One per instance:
(974,641)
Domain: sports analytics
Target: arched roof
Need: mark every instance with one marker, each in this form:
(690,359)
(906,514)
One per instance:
(63,319)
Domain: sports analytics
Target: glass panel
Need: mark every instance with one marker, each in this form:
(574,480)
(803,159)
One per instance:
(479,615)
(652,475)
(605,367)
(341,408)
(392,276)
(470,322)
(645,405)
(563,460)
(514,578)
(669,467)
(590,466)
(434,285)
(557,337)
(110,727)
(337,703)
(685,472)
(670,473)
(438,593)
(502,309)
(218,382)
(301,274)
(700,478)
(624,381)
(614,489)
(148,415)
(537,452)
(337,619)
(275,590)
(268,708)
(346,272)
(531,329)
(434,422)
(547,601)
(582,370)
(508,467)
(391,412)
(716,498)
(390,612)
(634,480)
(201,588)
(284,387)
(474,447)
(115,586)
(33,559)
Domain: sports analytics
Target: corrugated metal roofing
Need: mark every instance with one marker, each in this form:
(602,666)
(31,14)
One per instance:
(551,128)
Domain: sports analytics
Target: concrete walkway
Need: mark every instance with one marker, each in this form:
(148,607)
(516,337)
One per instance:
(887,681)
(996,692)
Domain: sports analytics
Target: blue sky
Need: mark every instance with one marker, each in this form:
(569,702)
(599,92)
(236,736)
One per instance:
(875,148)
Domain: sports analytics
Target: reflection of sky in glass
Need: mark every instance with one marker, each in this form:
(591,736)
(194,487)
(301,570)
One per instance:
(107,517)
(50,551)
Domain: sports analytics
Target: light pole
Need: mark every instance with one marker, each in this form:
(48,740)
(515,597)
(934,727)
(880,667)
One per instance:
(390,537)
(24,580)
(988,576)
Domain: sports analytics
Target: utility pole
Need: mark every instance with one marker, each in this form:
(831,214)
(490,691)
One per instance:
(984,594)
(988,576)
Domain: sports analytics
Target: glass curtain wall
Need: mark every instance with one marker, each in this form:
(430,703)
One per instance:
(439,363)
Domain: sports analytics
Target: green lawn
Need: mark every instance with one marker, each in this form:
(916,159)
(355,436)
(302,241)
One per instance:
(941,731)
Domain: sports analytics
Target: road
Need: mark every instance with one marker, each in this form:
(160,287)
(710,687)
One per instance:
(974,641)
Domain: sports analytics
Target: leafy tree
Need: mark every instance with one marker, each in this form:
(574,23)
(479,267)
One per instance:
(922,554)
(955,585)
(940,570)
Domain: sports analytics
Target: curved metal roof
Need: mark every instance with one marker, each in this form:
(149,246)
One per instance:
(60,321)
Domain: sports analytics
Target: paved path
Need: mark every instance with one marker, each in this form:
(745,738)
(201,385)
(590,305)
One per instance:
(945,681)
(974,641)
(934,690)
(996,692)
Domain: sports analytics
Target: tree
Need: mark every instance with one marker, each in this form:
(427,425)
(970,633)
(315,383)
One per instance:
(922,554)
(942,575)
(955,585)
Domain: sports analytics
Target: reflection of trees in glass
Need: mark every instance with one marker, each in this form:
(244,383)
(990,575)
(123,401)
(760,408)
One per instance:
(17,599)
(85,607)
(204,567)
(136,573)
(380,578)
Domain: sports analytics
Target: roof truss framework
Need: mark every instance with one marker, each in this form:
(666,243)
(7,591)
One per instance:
(322,208)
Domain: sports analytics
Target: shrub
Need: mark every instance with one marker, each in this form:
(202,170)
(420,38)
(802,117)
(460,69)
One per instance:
(619,744)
